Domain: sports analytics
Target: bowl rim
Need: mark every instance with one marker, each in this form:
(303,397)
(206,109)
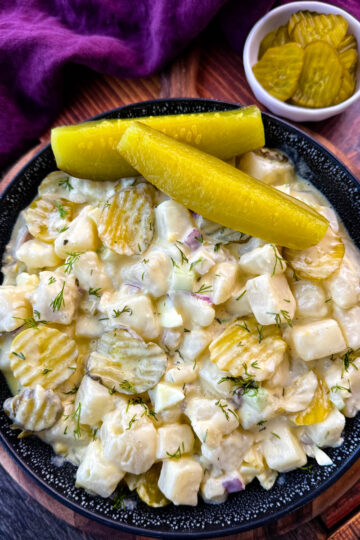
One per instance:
(287,107)
(155,533)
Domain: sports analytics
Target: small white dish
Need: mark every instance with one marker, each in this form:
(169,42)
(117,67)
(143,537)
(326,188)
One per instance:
(272,20)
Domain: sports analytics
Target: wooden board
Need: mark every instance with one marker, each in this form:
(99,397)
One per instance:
(212,70)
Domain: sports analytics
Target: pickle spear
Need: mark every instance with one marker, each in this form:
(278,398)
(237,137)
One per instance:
(220,192)
(89,150)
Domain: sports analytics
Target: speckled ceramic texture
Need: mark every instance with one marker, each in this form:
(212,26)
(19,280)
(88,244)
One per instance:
(254,506)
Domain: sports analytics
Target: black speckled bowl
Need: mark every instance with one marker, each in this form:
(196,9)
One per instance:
(253,507)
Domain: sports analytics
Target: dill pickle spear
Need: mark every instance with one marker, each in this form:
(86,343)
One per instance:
(279,70)
(89,150)
(320,79)
(220,192)
(275,38)
(330,28)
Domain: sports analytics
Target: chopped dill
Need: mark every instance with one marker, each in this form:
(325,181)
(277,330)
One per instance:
(195,263)
(134,418)
(241,295)
(58,300)
(126,385)
(71,260)
(61,209)
(118,312)
(19,355)
(51,280)
(66,183)
(95,292)
(204,288)
(278,260)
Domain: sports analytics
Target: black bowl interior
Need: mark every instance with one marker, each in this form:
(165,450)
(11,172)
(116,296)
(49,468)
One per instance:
(254,506)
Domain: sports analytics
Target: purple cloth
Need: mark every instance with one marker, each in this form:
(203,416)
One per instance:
(125,38)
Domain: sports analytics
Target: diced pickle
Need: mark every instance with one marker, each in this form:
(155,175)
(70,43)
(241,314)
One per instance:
(320,79)
(346,89)
(297,17)
(318,409)
(148,490)
(275,38)
(279,70)
(43,356)
(320,261)
(330,28)
(126,224)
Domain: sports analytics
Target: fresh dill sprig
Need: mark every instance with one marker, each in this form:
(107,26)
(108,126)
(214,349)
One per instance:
(51,280)
(178,453)
(118,312)
(259,330)
(204,288)
(19,355)
(95,292)
(61,209)
(337,387)
(126,385)
(195,263)
(241,295)
(278,260)
(133,419)
(348,361)
(275,435)
(71,260)
(30,322)
(184,259)
(66,183)
(58,300)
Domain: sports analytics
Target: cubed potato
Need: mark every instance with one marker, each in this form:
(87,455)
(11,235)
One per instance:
(95,401)
(343,286)
(164,396)
(53,285)
(225,277)
(282,450)
(135,311)
(263,260)
(81,236)
(328,432)
(270,298)
(169,317)
(151,273)
(202,260)
(194,310)
(349,321)
(88,327)
(182,374)
(317,339)
(230,452)
(174,439)
(96,474)
(194,344)
(209,420)
(90,272)
(180,480)
(352,403)
(129,438)
(212,489)
(310,299)
(210,377)
(37,254)
(14,307)
(181,279)
(238,303)
(172,221)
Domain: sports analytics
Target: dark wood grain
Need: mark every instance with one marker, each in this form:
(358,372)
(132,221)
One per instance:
(212,70)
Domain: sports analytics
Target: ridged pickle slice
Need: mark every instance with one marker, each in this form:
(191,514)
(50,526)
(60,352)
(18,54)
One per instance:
(125,363)
(220,192)
(43,356)
(275,38)
(349,59)
(279,70)
(330,28)
(240,351)
(347,87)
(45,219)
(320,261)
(320,79)
(349,42)
(126,224)
(148,489)
(318,409)
(89,150)
(297,17)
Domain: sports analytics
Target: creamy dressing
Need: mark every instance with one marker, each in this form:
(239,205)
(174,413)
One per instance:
(228,366)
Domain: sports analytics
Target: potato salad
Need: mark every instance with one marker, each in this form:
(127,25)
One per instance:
(157,350)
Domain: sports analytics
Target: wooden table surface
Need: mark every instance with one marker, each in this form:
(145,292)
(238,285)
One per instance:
(212,70)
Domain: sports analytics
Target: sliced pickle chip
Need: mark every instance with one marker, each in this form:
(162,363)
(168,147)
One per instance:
(318,409)
(320,79)
(347,87)
(320,261)
(279,70)
(297,17)
(127,221)
(148,489)
(330,28)
(248,350)
(43,356)
(349,42)
(126,364)
(45,219)
(34,409)
(349,59)
(275,38)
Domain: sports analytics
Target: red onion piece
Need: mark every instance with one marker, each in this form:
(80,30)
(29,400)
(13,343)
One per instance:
(204,298)
(192,239)
(233,485)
